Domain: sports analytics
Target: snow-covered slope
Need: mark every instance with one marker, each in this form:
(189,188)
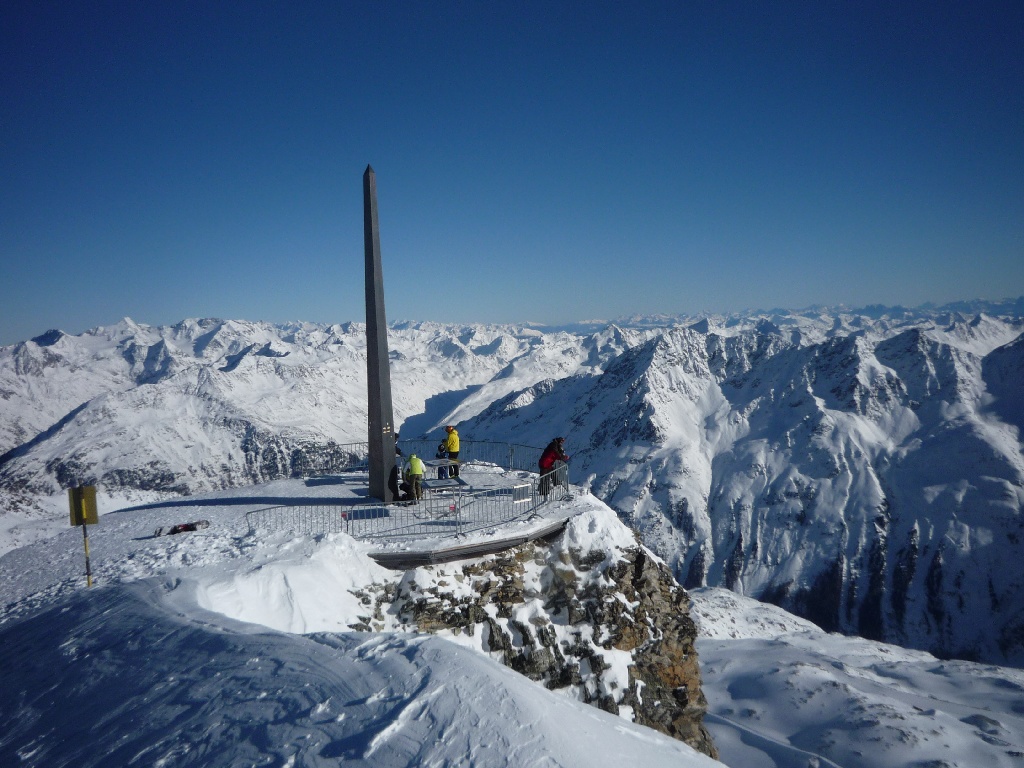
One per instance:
(214,404)
(139,670)
(872,482)
(782,692)
(223,647)
(861,468)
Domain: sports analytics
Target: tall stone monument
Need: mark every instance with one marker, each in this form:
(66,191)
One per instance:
(381,432)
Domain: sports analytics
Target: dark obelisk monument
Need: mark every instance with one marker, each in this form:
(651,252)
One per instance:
(378,370)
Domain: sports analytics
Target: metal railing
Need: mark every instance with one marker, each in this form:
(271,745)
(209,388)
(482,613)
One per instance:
(349,456)
(509,456)
(448,512)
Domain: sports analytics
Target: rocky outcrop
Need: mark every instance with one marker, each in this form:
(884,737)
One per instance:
(596,616)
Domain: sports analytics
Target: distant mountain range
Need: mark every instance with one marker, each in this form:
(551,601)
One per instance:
(861,468)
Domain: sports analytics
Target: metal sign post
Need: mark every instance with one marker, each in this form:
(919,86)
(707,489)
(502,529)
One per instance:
(82,501)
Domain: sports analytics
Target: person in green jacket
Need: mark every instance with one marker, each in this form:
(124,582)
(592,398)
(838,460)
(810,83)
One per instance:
(451,444)
(414,475)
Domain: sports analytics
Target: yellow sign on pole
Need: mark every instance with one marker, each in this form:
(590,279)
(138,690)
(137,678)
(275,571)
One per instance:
(83,505)
(83,512)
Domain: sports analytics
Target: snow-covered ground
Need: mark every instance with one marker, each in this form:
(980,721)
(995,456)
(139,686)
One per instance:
(783,693)
(864,470)
(224,647)
(172,658)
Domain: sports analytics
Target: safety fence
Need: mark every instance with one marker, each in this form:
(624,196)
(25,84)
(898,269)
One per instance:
(451,511)
(354,456)
(522,458)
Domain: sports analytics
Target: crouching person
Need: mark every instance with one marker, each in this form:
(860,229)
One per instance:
(414,476)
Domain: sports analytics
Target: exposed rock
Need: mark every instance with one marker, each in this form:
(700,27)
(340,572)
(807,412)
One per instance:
(610,627)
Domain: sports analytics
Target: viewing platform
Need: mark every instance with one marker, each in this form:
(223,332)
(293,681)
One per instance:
(491,506)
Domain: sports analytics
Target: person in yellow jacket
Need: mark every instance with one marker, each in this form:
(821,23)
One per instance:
(451,444)
(414,476)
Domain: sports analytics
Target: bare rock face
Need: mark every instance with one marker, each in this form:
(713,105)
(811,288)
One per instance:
(597,616)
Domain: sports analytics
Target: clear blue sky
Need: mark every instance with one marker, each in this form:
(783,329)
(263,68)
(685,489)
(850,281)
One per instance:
(543,161)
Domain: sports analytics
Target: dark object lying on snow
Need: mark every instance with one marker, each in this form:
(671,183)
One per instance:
(182,528)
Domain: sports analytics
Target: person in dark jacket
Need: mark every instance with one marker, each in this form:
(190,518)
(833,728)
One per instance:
(396,494)
(442,453)
(551,462)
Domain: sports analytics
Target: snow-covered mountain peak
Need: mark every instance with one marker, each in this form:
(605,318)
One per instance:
(860,467)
